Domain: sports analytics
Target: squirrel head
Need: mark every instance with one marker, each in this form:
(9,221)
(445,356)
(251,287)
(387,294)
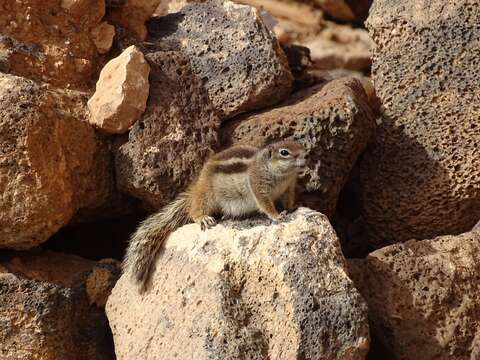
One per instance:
(285,156)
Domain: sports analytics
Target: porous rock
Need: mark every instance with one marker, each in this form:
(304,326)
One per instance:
(168,145)
(121,94)
(423,296)
(50,40)
(45,311)
(51,161)
(229,290)
(422,177)
(230,48)
(333,121)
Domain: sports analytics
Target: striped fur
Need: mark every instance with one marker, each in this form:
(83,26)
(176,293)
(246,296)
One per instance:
(234,183)
(149,237)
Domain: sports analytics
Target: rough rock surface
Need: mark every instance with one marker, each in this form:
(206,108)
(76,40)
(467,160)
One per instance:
(132,14)
(229,289)
(422,177)
(45,309)
(50,40)
(333,121)
(102,36)
(51,161)
(237,57)
(168,145)
(340,46)
(423,296)
(122,92)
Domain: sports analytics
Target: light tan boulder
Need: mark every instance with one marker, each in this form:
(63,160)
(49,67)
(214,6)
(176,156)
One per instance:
(423,296)
(48,312)
(122,92)
(244,290)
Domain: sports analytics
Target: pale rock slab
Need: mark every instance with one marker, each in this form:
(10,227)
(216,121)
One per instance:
(122,92)
(244,290)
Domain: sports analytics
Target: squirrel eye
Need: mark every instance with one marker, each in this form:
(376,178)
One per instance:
(284,152)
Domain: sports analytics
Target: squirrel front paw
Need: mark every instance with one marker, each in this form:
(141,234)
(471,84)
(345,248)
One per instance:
(206,222)
(280,217)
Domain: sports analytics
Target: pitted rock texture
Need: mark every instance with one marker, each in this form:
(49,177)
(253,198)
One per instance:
(45,310)
(229,290)
(50,40)
(51,161)
(121,94)
(168,145)
(422,177)
(333,121)
(423,296)
(237,57)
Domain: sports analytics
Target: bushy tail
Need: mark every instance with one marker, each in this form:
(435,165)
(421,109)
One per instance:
(149,237)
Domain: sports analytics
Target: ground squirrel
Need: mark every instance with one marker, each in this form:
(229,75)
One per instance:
(233,183)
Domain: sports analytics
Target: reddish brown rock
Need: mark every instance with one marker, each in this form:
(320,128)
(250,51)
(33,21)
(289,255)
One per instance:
(46,311)
(422,177)
(121,94)
(51,161)
(132,14)
(338,9)
(102,36)
(231,50)
(423,296)
(244,290)
(168,145)
(50,40)
(333,121)
(340,46)
(346,10)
